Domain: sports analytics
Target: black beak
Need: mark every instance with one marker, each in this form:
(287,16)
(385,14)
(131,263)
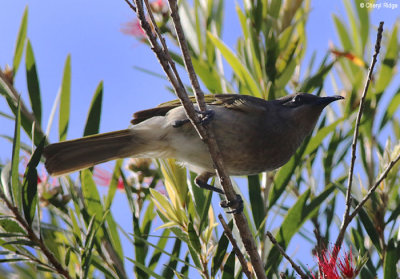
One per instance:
(324,101)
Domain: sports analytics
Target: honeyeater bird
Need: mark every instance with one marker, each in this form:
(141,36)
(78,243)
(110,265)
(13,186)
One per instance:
(252,134)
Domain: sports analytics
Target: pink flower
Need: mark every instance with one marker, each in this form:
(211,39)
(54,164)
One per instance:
(159,6)
(333,268)
(103,178)
(133,28)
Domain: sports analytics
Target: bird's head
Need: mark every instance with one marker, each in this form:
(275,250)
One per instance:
(303,109)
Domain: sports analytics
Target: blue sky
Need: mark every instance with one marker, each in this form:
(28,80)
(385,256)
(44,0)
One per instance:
(90,31)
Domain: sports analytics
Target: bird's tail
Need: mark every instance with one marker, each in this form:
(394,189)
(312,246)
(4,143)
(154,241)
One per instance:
(69,156)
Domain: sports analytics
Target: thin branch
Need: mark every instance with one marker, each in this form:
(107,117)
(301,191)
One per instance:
(130,5)
(236,248)
(346,215)
(35,239)
(373,188)
(167,63)
(216,155)
(282,251)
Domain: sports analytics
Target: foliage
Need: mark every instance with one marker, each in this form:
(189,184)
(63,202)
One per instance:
(66,227)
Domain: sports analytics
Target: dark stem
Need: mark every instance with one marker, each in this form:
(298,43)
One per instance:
(283,253)
(346,217)
(35,239)
(236,248)
(216,155)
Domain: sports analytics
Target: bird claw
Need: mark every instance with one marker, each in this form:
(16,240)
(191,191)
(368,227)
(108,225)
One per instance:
(236,204)
(205,118)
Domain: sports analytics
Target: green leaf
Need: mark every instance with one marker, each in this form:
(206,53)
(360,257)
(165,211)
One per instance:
(282,178)
(16,196)
(163,239)
(9,225)
(317,79)
(363,22)
(93,228)
(256,201)
(387,70)
(19,46)
(229,267)
(6,181)
(392,257)
(370,229)
(91,198)
(29,185)
(194,238)
(93,119)
(238,67)
(112,188)
(5,115)
(391,109)
(297,215)
(145,269)
(354,30)
(208,75)
(33,83)
(202,201)
(344,37)
(65,100)
(168,271)
(220,253)
(322,133)
(160,249)
(113,236)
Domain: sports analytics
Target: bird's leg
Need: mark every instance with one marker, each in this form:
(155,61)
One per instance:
(236,204)
(205,118)
(201,181)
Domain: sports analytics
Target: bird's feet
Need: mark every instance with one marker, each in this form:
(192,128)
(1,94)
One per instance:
(236,205)
(202,183)
(205,118)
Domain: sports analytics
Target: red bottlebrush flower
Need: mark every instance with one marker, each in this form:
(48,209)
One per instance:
(133,28)
(327,266)
(333,268)
(103,178)
(346,266)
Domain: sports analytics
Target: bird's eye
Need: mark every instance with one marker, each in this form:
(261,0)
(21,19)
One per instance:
(296,99)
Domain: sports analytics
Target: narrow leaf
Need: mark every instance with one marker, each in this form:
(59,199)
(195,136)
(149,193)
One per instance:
(220,253)
(65,100)
(170,267)
(145,269)
(93,118)
(237,66)
(294,219)
(19,46)
(392,257)
(344,37)
(229,267)
(256,201)
(91,197)
(16,189)
(33,83)
(29,185)
(387,70)
(322,133)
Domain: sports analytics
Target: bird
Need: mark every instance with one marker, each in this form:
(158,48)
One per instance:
(254,135)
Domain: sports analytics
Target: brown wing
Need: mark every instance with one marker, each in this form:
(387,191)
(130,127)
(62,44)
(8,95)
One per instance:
(232,101)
